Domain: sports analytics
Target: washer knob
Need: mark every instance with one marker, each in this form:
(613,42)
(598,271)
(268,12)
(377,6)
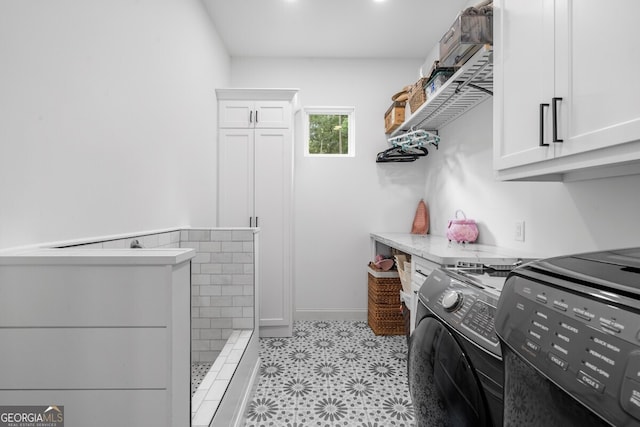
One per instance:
(452,300)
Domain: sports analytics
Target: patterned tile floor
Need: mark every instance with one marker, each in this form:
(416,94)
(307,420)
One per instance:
(332,373)
(198,372)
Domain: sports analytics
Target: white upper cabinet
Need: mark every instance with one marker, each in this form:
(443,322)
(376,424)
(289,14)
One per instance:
(562,109)
(254,114)
(523,80)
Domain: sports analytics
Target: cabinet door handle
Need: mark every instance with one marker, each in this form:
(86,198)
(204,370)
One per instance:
(554,113)
(256,221)
(250,116)
(256,116)
(250,221)
(542,107)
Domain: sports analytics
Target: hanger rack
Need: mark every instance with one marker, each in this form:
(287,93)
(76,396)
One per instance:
(415,138)
(408,146)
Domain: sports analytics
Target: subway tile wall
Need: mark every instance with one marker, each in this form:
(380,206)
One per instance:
(222,281)
(222,293)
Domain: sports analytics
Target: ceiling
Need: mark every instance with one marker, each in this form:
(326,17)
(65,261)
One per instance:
(332,28)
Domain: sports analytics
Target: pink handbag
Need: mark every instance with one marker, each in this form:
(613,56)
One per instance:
(462,230)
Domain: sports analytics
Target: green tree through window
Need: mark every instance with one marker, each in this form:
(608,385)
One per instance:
(328,134)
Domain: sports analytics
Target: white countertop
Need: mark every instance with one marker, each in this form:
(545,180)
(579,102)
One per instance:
(439,250)
(86,256)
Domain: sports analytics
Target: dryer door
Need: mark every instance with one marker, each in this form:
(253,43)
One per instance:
(443,387)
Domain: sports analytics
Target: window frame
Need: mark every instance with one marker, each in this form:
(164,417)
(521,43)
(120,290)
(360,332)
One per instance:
(343,111)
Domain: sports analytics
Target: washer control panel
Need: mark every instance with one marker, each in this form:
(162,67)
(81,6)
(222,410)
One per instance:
(480,319)
(587,347)
(464,306)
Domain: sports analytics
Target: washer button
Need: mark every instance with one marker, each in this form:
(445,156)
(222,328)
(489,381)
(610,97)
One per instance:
(532,346)
(558,361)
(583,314)
(560,305)
(541,298)
(611,325)
(590,381)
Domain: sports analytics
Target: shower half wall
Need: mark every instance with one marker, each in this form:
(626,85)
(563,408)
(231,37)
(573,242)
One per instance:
(223,311)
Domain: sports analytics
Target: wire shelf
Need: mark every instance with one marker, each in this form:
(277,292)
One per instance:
(470,85)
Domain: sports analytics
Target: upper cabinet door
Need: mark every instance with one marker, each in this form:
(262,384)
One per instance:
(236,177)
(596,47)
(235,114)
(254,114)
(272,114)
(523,81)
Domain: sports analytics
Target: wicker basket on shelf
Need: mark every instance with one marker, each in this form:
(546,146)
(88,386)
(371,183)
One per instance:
(384,313)
(417,94)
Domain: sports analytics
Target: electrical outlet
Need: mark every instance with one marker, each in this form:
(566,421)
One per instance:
(519,231)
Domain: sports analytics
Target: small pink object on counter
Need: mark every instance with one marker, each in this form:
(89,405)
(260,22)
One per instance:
(462,230)
(421,220)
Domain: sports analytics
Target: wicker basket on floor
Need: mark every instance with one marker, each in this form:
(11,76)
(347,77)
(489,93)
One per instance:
(384,314)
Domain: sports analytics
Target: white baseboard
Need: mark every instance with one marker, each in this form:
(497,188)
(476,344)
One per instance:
(276,331)
(330,314)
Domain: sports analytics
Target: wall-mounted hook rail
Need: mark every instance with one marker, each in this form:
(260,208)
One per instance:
(408,146)
(415,138)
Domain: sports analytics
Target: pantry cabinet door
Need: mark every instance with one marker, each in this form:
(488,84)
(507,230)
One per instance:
(235,114)
(596,62)
(523,79)
(235,177)
(272,114)
(273,198)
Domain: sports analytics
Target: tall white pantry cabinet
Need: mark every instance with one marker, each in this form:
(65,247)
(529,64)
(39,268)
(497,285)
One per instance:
(255,186)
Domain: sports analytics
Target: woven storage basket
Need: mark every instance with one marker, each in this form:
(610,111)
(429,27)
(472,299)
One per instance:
(385,321)
(384,314)
(417,94)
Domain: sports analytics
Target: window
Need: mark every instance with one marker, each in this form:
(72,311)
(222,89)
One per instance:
(329,131)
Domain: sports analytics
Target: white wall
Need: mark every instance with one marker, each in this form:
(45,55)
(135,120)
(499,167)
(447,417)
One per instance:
(338,202)
(107,117)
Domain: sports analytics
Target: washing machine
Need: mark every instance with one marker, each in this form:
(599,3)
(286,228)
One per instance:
(455,366)
(570,333)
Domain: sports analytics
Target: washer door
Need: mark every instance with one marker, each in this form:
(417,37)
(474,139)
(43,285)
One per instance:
(444,390)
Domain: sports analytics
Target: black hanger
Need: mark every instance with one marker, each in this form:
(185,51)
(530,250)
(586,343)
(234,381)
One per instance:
(401,154)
